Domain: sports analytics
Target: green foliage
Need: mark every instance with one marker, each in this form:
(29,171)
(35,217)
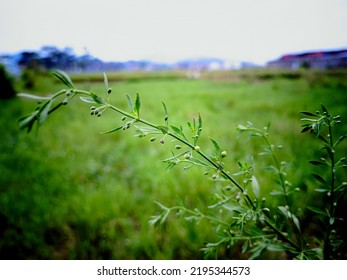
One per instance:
(238,215)
(74,193)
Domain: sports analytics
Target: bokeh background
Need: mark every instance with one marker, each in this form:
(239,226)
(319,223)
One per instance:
(69,192)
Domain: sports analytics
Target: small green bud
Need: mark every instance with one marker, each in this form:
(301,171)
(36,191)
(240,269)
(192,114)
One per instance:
(152,139)
(68,93)
(162,141)
(109,90)
(263,199)
(92,108)
(214,176)
(99,114)
(166,118)
(123,118)
(177,147)
(66,100)
(224,154)
(197,149)
(187,156)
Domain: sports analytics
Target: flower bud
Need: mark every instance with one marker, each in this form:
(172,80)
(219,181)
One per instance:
(197,149)
(187,156)
(177,147)
(224,154)
(123,118)
(152,139)
(109,90)
(162,141)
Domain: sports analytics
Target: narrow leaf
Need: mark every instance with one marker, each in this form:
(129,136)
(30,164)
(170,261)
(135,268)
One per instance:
(176,129)
(166,114)
(216,147)
(163,129)
(174,157)
(342,138)
(45,111)
(97,99)
(33,97)
(317,210)
(198,162)
(64,78)
(137,104)
(87,99)
(324,109)
(106,82)
(319,178)
(296,222)
(255,186)
(317,163)
(28,121)
(306,128)
(130,103)
(113,130)
(309,114)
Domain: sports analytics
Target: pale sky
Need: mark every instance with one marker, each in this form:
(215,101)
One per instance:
(170,30)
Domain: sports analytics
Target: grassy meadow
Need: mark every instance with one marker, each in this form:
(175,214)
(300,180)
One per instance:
(70,192)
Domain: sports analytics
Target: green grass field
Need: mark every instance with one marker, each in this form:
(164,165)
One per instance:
(70,192)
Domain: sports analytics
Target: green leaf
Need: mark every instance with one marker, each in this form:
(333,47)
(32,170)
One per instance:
(317,163)
(275,192)
(113,130)
(191,126)
(45,110)
(88,99)
(319,179)
(130,103)
(28,121)
(137,105)
(166,114)
(197,161)
(106,82)
(33,97)
(176,129)
(342,138)
(174,157)
(147,129)
(163,129)
(216,147)
(306,128)
(309,114)
(64,78)
(324,109)
(97,99)
(318,211)
(296,222)
(255,186)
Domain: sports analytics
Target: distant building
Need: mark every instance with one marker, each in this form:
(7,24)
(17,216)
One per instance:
(315,60)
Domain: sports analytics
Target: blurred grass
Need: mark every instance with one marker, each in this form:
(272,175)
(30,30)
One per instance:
(73,193)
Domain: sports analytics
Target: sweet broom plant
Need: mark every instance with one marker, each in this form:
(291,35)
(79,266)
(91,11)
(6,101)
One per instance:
(239,215)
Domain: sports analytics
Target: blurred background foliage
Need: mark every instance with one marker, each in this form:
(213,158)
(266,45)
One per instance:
(70,192)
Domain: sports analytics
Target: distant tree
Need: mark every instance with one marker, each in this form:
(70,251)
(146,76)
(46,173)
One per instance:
(6,84)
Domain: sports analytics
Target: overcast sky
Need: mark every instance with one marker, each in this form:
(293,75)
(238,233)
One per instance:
(169,30)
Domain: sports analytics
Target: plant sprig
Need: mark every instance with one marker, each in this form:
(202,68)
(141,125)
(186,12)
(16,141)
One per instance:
(237,215)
